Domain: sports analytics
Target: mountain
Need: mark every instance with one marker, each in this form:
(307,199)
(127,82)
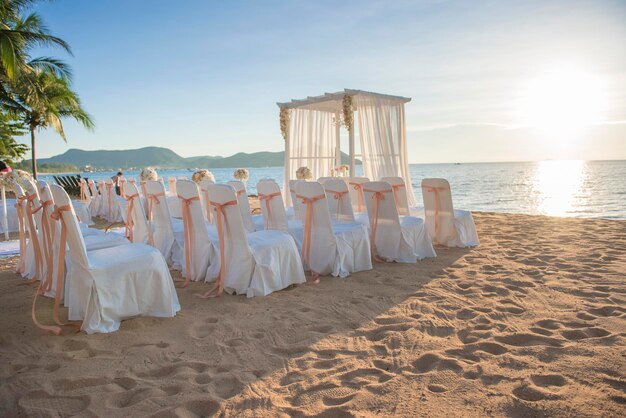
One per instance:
(166,158)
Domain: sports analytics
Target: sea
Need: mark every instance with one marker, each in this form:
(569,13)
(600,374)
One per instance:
(584,189)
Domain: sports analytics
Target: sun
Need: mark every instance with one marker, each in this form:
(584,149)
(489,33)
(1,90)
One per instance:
(563,102)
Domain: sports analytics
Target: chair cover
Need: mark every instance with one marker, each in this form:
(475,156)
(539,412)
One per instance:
(244,207)
(94,206)
(102,208)
(26,258)
(113,284)
(162,229)
(446,226)
(198,249)
(173,203)
(82,212)
(113,214)
(295,211)
(322,180)
(204,198)
(255,264)
(136,222)
(12,220)
(339,202)
(337,249)
(402,239)
(171,182)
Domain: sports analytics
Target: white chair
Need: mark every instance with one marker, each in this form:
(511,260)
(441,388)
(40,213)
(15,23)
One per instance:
(252,223)
(102,207)
(322,180)
(112,284)
(94,205)
(85,197)
(295,211)
(446,226)
(254,264)
(355,185)
(337,249)
(161,229)
(339,202)
(401,239)
(136,222)
(171,182)
(198,248)
(113,212)
(26,262)
(204,198)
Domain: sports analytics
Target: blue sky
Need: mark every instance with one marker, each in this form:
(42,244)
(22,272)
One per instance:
(202,77)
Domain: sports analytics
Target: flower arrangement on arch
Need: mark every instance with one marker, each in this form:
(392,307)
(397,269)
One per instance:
(202,174)
(304,173)
(148,173)
(7,179)
(241,174)
(284,122)
(342,170)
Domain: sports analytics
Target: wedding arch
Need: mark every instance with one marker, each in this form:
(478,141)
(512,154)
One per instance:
(311,130)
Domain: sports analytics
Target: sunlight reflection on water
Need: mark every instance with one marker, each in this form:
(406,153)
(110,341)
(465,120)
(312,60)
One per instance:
(558,185)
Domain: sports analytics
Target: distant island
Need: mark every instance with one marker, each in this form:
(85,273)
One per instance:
(101,160)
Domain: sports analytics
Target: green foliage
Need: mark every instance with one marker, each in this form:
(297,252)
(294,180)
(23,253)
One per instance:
(10,127)
(49,167)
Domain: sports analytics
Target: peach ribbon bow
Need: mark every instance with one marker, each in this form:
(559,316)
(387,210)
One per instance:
(337,196)
(267,198)
(48,240)
(359,191)
(436,190)
(171,182)
(218,288)
(130,204)
(395,188)
(21,264)
(188,234)
(152,199)
(83,193)
(377,196)
(57,216)
(308,223)
(122,181)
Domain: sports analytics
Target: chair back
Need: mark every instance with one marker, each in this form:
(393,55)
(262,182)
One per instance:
(208,210)
(137,214)
(297,205)
(339,202)
(155,198)
(322,243)
(75,241)
(196,234)
(438,210)
(355,185)
(272,205)
(385,229)
(323,180)
(399,194)
(171,182)
(244,204)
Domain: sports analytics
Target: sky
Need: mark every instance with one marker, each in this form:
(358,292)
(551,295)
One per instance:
(203,77)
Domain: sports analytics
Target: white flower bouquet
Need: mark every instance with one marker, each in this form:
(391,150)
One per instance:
(342,170)
(203,174)
(148,173)
(241,174)
(304,173)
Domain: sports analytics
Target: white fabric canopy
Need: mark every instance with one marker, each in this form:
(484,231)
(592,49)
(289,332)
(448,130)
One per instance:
(312,135)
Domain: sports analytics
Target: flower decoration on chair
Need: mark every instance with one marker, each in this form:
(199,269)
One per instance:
(304,173)
(342,170)
(202,174)
(148,173)
(284,122)
(241,174)
(348,112)
(7,179)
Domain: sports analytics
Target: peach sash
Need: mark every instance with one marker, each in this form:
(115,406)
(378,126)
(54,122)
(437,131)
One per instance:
(121,183)
(130,204)
(109,186)
(188,234)
(21,264)
(48,240)
(32,233)
(209,214)
(308,223)
(171,182)
(377,196)
(83,192)
(359,191)
(152,200)
(267,198)
(218,288)
(337,196)
(56,215)
(395,188)
(436,191)
(143,190)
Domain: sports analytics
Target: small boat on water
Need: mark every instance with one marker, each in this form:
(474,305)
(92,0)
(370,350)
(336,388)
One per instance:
(88,169)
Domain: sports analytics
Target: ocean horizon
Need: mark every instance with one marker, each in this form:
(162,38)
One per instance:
(568,188)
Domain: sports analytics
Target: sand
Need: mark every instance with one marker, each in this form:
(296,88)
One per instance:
(531,323)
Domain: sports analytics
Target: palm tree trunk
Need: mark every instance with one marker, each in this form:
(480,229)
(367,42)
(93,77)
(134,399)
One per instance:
(32,151)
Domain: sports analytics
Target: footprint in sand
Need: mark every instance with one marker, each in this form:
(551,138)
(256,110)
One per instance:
(546,380)
(431,361)
(40,402)
(581,334)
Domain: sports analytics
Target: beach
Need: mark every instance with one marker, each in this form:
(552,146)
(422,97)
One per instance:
(530,323)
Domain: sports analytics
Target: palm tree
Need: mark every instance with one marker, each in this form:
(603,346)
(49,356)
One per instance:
(44,100)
